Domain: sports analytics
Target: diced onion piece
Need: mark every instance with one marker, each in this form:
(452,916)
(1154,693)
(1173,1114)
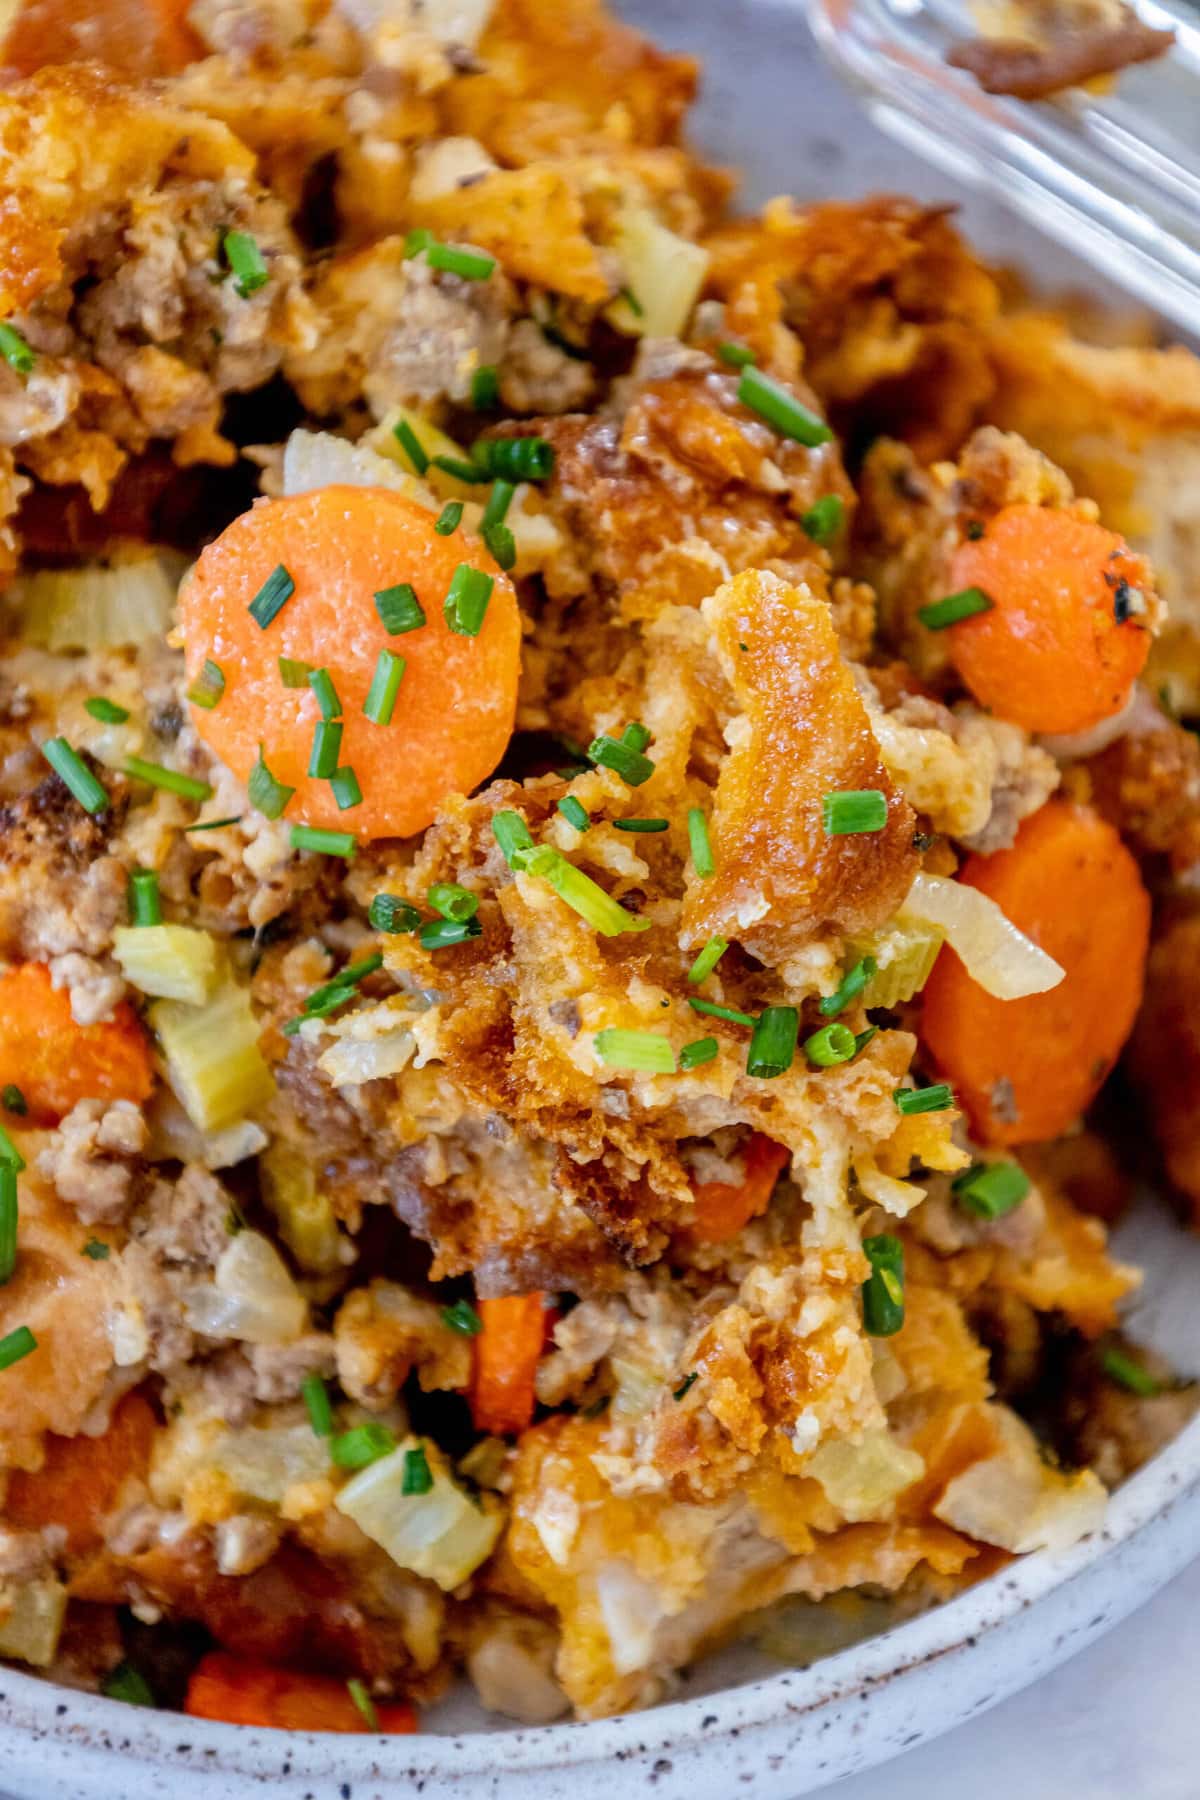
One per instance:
(263,1462)
(441,1534)
(171,962)
(306,1219)
(904,952)
(251,1296)
(31,1628)
(1016,1501)
(995,954)
(384,442)
(97,607)
(863,1480)
(637,1388)
(663,273)
(317,459)
(447,164)
(632,1612)
(214,1065)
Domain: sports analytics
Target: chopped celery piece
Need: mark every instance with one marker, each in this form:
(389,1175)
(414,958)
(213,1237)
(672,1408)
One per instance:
(435,443)
(904,954)
(663,273)
(214,1064)
(305,1216)
(441,1534)
(170,962)
(31,1627)
(97,607)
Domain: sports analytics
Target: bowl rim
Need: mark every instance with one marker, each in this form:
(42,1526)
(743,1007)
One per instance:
(31,1705)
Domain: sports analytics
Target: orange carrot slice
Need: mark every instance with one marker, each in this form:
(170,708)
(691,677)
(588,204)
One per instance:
(134,38)
(81,1479)
(340,546)
(1025,1069)
(55,1061)
(239,1691)
(722,1207)
(505,1362)
(1059,650)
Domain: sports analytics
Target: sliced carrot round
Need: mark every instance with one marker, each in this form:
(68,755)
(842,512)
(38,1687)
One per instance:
(722,1208)
(240,1691)
(1060,648)
(1024,1070)
(54,1060)
(81,1479)
(340,546)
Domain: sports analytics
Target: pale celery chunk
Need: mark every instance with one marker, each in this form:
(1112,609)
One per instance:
(170,962)
(441,1534)
(30,1629)
(214,1065)
(305,1216)
(97,607)
(663,277)
(384,442)
(904,953)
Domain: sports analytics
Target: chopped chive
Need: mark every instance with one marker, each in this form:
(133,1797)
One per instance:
(581,893)
(349,977)
(701,843)
(773,1046)
(324,843)
(17,1345)
(294,674)
(953,607)
(712,1011)
(463,1318)
(574,812)
(128,1684)
(688,1382)
(883,1291)
(449,519)
(515,458)
(245,259)
(207,690)
(363,1700)
(13,1100)
(320,1411)
(772,402)
(345,789)
(268,796)
(15,351)
(647,827)
(623,759)
(501,544)
(272,597)
(416,241)
(831,1045)
(168,779)
(472,265)
(95,1251)
(440,934)
(451,901)
(485,388)
(466,603)
(10,1156)
(989,1190)
(938,1098)
(737,356)
(326,749)
(498,503)
(852,984)
(707,960)
(321,683)
(361,1445)
(145,905)
(636,735)
(380,702)
(1129,1373)
(864,1038)
(333,996)
(70,768)
(388,912)
(824,518)
(701,1050)
(461,469)
(106,711)
(642,1052)
(416,1477)
(513,836)
(399,609)
(853,811)
(8,1222)
(412,446)
(633,303)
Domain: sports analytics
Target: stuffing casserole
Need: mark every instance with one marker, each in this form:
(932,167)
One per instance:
(591,792)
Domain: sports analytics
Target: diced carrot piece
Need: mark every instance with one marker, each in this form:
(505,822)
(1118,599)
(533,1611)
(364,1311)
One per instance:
(722,1207)
(54,1060)
(1060,648)
(341,546)
(137,39)
(239,1691)
(80,1482)
(1024,1070)
(506,1360)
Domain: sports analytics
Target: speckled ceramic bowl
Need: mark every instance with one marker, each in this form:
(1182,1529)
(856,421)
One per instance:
(771,110)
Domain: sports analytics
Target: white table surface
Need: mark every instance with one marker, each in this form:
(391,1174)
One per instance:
(1120,1722)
